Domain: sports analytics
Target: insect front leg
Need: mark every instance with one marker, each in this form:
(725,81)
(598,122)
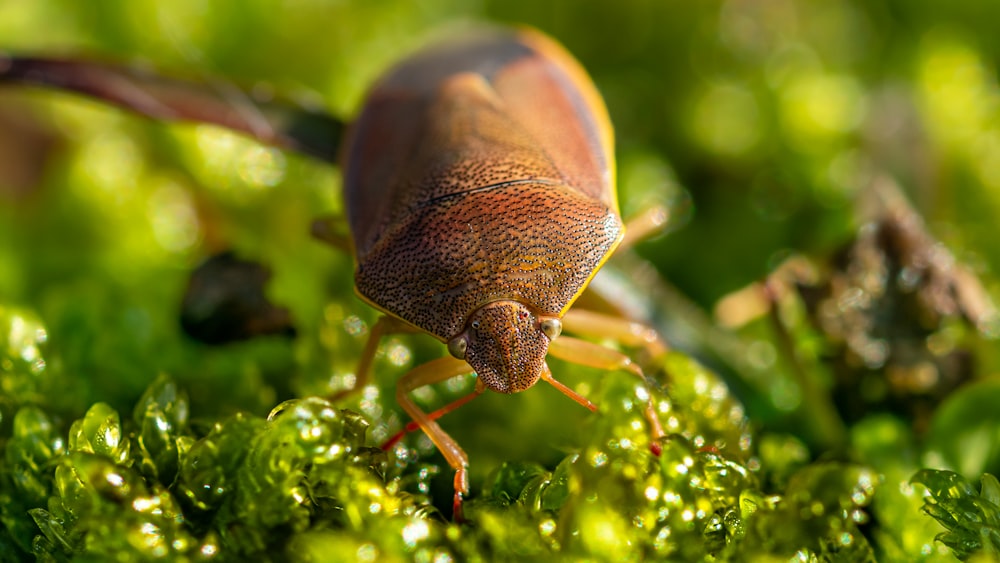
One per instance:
(582,352)
(427,374)
(621,330)
(383,327)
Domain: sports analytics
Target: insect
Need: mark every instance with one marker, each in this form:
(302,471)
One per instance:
(479,183)
(479,186)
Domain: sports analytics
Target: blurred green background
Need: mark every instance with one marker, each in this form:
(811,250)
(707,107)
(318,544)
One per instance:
(769,116)
(757,122)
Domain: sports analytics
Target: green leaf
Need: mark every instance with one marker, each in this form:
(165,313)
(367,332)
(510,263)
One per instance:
(100,432)
(971,518)
(965,429)
(161,416)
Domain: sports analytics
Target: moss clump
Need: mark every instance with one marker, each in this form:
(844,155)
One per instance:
(971,517)
(305,482)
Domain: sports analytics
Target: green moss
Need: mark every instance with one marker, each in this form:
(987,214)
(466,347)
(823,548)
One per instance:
(305,480)
(971,517)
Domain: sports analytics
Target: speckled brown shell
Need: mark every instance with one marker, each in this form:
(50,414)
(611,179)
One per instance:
(478,171)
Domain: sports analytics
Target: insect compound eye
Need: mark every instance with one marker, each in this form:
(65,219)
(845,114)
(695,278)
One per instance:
(457,347)
(552,328)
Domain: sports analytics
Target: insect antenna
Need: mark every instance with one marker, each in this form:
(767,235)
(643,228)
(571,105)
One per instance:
(547,377)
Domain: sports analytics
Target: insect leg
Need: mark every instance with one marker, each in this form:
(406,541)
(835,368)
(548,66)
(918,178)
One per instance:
(433,372)
(454,405)
(624,331)
(332,230)
(383,327)
(647,224)
(593,355)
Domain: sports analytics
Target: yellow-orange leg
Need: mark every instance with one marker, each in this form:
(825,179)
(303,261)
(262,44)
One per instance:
(382,328)
(623,331)
(432,372)
(588,354)
(649,223)
(426,374)
(454,405)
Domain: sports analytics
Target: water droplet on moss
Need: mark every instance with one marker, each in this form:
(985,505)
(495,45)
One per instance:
(367,552)
(598,458)
(414,532)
